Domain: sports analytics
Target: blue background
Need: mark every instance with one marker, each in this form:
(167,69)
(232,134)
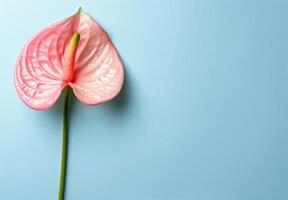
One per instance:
(203,114)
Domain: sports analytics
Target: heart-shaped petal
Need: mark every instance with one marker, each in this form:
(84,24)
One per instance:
(97,70)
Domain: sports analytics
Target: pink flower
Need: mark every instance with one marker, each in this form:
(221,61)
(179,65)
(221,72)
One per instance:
(74,52)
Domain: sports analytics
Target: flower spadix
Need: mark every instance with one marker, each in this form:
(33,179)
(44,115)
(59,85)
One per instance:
(74,52)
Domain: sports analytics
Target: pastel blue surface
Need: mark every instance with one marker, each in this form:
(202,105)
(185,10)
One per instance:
(203,114)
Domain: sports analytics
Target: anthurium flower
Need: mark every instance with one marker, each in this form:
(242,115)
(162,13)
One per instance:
(73,53)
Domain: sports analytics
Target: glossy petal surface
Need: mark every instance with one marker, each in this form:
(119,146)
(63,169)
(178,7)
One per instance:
(98,70)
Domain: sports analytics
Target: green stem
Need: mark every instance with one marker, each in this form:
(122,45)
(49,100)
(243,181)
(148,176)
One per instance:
(64,145)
